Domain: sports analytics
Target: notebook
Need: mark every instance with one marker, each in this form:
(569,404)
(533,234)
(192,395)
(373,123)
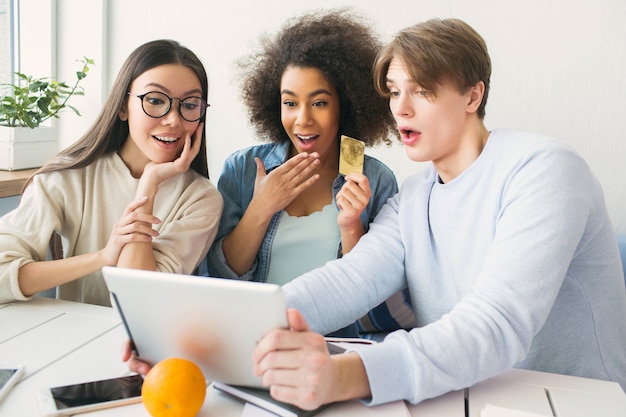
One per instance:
(214,322)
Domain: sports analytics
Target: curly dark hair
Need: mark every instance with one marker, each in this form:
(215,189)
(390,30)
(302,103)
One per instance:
(344,48)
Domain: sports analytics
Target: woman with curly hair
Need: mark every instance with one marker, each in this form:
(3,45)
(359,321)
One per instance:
(287,209)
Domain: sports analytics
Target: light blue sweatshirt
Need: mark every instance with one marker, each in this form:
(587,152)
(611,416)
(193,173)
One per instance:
(513,263)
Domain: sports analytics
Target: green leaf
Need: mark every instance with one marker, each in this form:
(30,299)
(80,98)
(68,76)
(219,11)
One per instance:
(34,100)
(75,110)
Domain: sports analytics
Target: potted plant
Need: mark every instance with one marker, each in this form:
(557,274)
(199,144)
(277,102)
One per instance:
(24,142)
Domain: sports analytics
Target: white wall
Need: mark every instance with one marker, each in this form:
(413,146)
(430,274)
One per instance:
(559,67)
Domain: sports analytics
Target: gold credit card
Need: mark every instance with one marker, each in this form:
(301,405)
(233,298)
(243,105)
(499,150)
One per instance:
(351,155)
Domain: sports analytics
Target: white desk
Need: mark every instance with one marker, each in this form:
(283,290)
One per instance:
(62,343)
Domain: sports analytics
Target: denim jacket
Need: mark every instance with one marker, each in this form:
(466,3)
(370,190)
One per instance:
(236,183)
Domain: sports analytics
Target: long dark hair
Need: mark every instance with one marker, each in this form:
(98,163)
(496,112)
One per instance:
(108,133)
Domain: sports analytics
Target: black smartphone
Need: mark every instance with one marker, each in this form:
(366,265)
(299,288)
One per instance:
(89,396)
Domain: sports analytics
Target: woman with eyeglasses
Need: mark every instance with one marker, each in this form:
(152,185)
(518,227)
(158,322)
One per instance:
(132,192)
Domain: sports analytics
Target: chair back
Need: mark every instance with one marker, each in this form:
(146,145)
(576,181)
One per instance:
(621,242)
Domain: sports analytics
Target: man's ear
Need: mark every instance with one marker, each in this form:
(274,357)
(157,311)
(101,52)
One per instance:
(475,94)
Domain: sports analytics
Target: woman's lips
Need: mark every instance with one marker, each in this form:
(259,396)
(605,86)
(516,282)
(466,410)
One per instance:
(165,139)
(307,141)
(166,142)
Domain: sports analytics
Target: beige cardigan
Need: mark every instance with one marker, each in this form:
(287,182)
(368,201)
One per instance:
(82,205)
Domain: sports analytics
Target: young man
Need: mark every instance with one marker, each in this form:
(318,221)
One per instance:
(505,245)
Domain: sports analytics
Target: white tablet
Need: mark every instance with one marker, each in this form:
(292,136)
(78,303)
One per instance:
(214,322)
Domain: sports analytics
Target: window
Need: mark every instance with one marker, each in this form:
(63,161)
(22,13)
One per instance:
(26,39)
(7,44)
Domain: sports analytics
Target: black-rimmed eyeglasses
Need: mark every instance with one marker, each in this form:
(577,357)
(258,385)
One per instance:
(156,104)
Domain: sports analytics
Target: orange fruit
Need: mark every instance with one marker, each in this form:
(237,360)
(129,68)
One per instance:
(174,387)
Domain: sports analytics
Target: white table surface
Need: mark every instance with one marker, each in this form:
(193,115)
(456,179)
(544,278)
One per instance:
(63,343)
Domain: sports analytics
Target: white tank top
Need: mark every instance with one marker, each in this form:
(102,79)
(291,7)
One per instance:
(302,244)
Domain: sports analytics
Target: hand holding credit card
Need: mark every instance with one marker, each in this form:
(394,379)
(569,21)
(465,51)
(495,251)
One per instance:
(351,155)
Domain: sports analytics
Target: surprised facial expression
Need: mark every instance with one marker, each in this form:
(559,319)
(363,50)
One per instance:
(158,139)
(310,111)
